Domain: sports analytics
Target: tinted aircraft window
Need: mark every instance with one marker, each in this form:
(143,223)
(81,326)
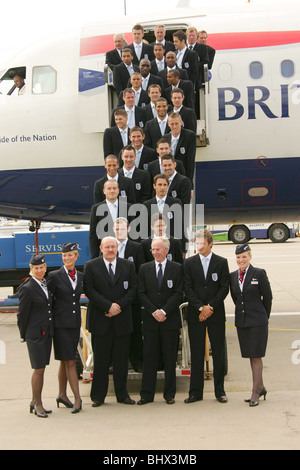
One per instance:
(43,80)
(256,70)
(287,68)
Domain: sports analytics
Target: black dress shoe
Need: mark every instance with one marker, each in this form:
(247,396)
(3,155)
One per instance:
(222,399)
(170,401)
(97,403)
(67,404)
(127,401)
(143,401)
(192,399)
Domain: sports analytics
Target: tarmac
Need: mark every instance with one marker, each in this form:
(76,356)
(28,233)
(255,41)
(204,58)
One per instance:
(178,431)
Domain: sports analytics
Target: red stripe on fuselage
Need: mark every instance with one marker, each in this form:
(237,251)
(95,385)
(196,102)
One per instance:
(220,41)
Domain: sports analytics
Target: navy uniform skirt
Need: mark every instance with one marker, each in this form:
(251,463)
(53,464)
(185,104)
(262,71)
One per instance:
(253,341)
(39,351)
(65,342)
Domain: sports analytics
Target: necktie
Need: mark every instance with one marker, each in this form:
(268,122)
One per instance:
(128,173)
(121,250)
(190,48)
(241,275)
(111,273)
(137,97)
(205,266)
(43,283)
(138,51)
(161,205)
(72,274)
(162,127)
(159,275)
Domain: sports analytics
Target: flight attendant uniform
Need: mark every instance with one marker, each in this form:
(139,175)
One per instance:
(252,296)
(35,318)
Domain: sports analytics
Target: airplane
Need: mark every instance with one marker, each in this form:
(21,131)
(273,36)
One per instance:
(247,158)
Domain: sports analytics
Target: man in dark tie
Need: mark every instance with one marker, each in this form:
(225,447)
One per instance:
(110,285)
(132,250)
(160,291)
(206,277)
(114,57)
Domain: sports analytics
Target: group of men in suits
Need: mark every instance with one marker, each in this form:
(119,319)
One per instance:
(135,292)
(137,233)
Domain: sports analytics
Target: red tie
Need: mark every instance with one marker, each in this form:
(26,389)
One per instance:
(72,275)
(241,275)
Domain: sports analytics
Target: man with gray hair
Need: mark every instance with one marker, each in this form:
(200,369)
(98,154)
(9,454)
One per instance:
(114,57)
(160,291)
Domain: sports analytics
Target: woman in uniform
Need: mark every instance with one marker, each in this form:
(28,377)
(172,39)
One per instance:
(36,328)
(251,292)
(66,286)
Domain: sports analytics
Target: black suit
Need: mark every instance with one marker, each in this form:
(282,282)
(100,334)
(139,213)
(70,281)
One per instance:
(169,46)
(252,310)
(35,322)
(148,155)
(147,53)
(171,210)
(112,141)
(101,224)
(153,132)
(181,187)
(139,116)
(183,75)
(188,90)
(203,58)
(175,252)
(110,336)
(186,150)
(121,76)
(154,168)
(190,63)
(113,58)
(189,119)
(211,56)
(141,183)
(154,68)
(166,297)
(134,252)
(126,189)
(201,291)
(143,98)
(66,313)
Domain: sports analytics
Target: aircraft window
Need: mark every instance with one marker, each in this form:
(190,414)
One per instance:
(256,70)
(7,84)
(287,68)
(43,80)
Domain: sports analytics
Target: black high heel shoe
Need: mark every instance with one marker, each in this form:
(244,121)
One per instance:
(38,414)
(256,403)
(76,410)
(31,409)
(63,402)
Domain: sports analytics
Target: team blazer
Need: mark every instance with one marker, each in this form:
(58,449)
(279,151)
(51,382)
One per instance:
(190,63)
(210,291)
(121,76)
(34,318)
(185,150)
(169,46)
(181,187)
(188,117)
(141,183)
(143,99)
(153,133)
(139,116)
(125,189)
(66,300)
(252,304)
(175,252)
(112,58)
(188,90)
(100,214)
(102,292)
(167,297)
(112,141)
(169,212)
(147,53)
(183,75)
(154,167)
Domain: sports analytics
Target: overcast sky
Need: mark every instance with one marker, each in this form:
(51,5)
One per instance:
(23,22)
